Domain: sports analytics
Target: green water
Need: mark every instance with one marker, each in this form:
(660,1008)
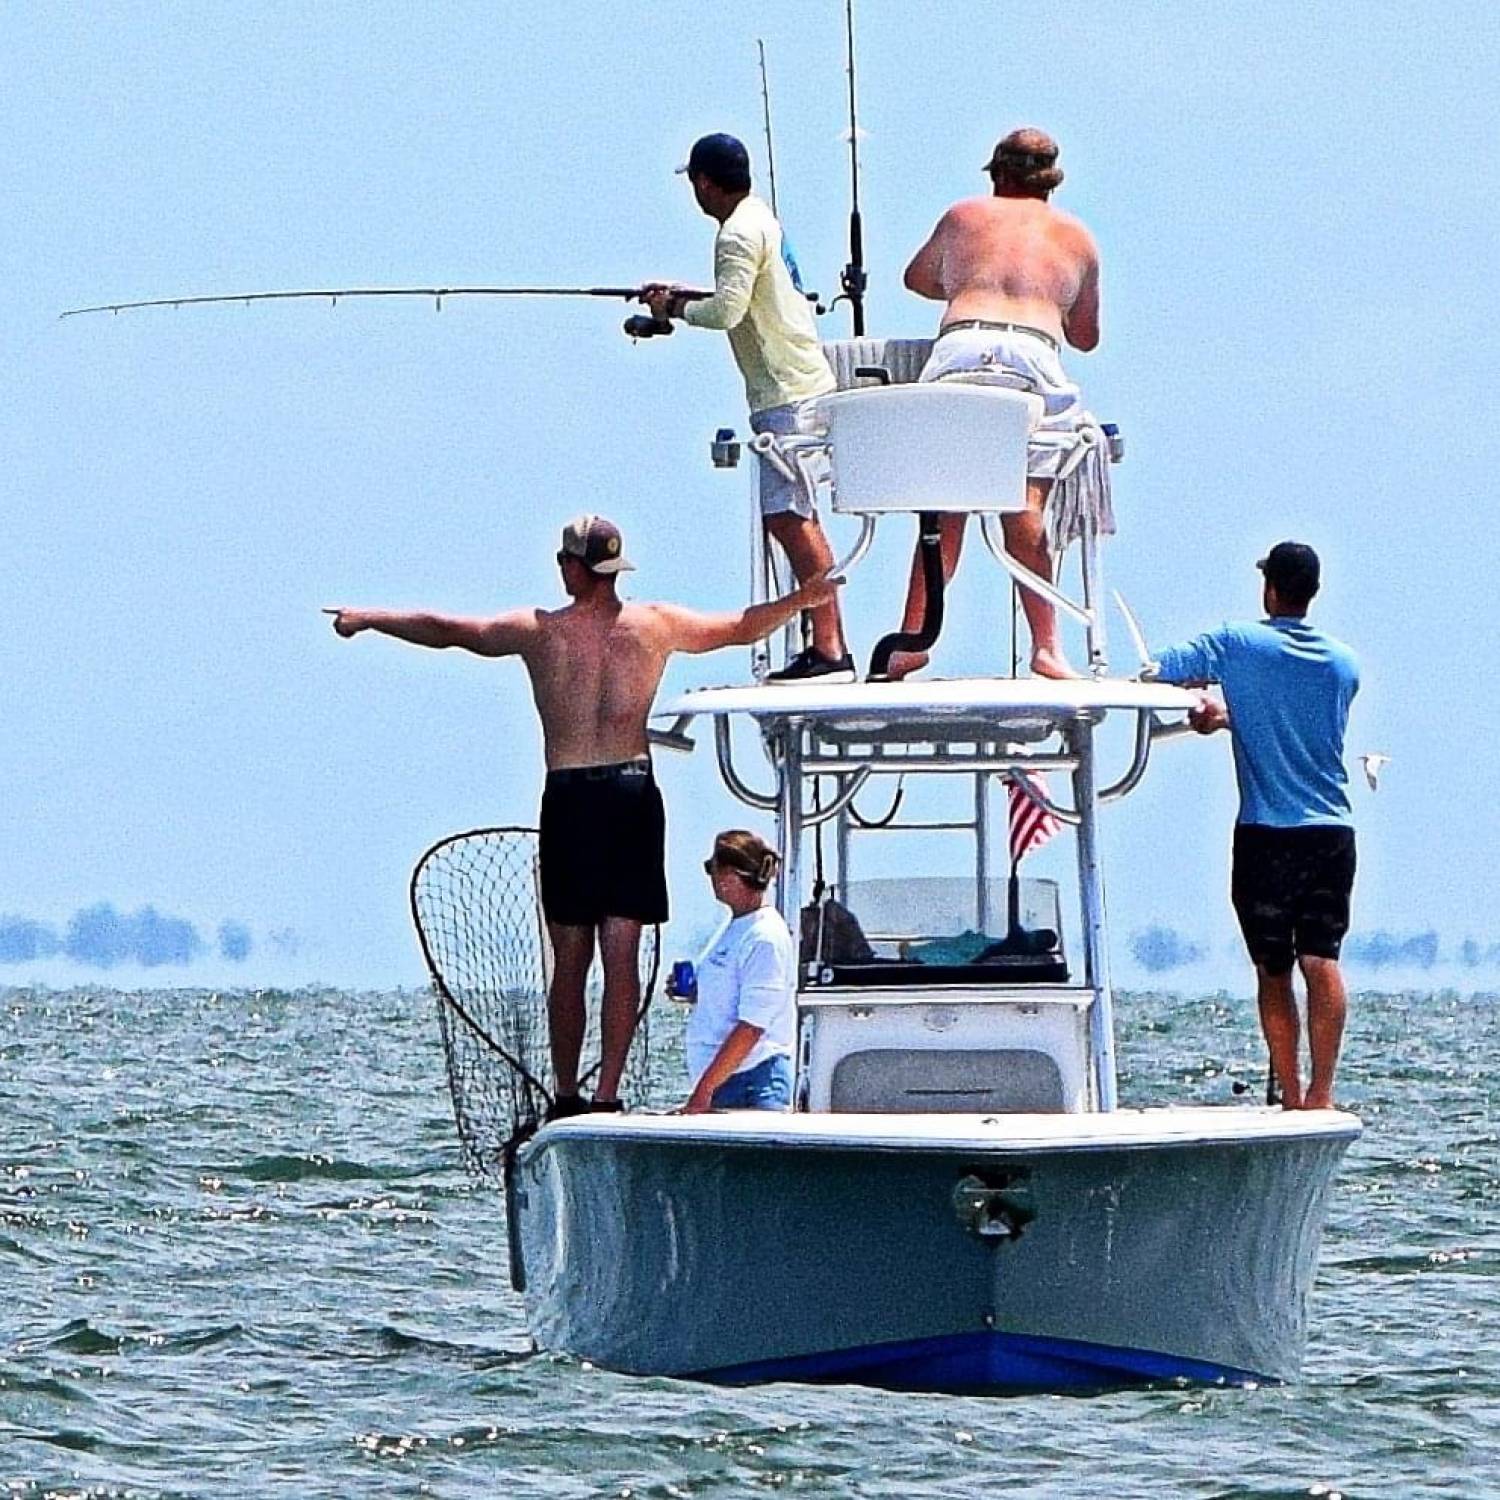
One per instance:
(238,1255)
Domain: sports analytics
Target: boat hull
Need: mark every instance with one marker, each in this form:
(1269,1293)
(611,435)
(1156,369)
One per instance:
(985,1256)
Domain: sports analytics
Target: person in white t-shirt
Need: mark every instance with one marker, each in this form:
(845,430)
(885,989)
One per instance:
(744,1025)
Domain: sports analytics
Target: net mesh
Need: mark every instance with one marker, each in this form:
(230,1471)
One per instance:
(475,902)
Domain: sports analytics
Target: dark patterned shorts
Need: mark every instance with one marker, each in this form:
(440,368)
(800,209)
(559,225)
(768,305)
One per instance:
(1290,888)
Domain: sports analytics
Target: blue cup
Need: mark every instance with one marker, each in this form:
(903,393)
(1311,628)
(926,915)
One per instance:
(683,982)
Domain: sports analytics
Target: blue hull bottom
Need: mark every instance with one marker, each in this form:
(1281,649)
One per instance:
(986,1362)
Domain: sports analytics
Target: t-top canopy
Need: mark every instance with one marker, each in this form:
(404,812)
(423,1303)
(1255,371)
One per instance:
(996,700)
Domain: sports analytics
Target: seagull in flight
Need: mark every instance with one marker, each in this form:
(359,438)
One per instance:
(1373,762)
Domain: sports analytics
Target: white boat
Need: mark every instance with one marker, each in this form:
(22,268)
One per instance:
(958,1201)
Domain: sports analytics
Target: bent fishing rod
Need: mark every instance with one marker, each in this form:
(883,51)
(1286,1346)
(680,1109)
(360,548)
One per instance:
(641,326)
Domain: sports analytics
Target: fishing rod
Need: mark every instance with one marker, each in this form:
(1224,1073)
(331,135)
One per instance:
(639,326)
(854,279)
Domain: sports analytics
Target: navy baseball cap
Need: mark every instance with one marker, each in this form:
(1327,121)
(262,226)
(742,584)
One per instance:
(721,158)
(1292,568)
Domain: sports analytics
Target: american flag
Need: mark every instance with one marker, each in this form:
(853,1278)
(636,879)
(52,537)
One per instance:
(1030,825)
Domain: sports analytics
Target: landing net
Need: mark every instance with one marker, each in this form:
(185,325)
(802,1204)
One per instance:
(475,899)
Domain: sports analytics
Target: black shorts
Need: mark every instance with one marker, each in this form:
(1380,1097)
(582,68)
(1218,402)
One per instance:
(1290,888)
(603,845)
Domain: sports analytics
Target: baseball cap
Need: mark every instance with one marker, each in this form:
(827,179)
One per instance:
(721,158)
(596,543)
(1024,147)
(1292,568)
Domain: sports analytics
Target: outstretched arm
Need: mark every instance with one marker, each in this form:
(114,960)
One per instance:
(688,630)
(501,635)
(1195,663)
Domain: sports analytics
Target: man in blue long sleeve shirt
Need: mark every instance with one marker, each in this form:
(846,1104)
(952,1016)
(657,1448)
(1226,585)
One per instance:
(1287,690)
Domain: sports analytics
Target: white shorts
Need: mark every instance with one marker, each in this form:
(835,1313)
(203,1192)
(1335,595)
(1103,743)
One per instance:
(778,494)
(973,353)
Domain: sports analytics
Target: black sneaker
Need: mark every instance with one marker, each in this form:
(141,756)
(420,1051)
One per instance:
(565,1106)
(607,1107)
(811,664)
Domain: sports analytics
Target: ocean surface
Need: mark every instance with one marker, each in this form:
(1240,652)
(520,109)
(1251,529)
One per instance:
(239,1256)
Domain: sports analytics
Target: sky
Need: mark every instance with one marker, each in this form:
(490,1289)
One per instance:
(1296,210)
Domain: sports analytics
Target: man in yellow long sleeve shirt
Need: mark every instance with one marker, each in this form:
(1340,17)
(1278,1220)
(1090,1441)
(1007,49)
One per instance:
(771,331)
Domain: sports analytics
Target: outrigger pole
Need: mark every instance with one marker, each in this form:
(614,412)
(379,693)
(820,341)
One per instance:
(765,99)
(636,327)
(854,280)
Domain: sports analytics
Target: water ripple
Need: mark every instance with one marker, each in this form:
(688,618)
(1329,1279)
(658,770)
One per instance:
(239,1252)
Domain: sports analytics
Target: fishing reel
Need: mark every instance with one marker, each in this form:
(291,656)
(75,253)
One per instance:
(644,326)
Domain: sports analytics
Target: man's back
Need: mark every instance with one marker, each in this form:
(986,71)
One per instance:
(594,673)
(595,665)
(1288,688)
(1012,259)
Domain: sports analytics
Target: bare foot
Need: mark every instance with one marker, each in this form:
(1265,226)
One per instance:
(904,663)
(1052,664)
(1317,1099)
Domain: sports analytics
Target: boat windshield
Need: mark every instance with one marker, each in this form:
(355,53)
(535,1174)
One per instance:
(936,929)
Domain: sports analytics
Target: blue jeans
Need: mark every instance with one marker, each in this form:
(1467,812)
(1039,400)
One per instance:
(768,1085)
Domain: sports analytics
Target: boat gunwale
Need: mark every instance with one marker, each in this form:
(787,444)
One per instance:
(988,1134)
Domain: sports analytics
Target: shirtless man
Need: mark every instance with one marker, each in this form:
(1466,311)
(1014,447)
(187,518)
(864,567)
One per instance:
(594,666)
(1019,277)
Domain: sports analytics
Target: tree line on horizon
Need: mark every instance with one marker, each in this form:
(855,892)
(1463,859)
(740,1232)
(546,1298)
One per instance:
(1159,949)
(100,937)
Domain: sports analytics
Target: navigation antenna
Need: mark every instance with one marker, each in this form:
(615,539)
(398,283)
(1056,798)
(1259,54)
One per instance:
(854,279)
(765,99)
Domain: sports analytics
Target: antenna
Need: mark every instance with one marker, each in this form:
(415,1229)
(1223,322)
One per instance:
(765,98)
